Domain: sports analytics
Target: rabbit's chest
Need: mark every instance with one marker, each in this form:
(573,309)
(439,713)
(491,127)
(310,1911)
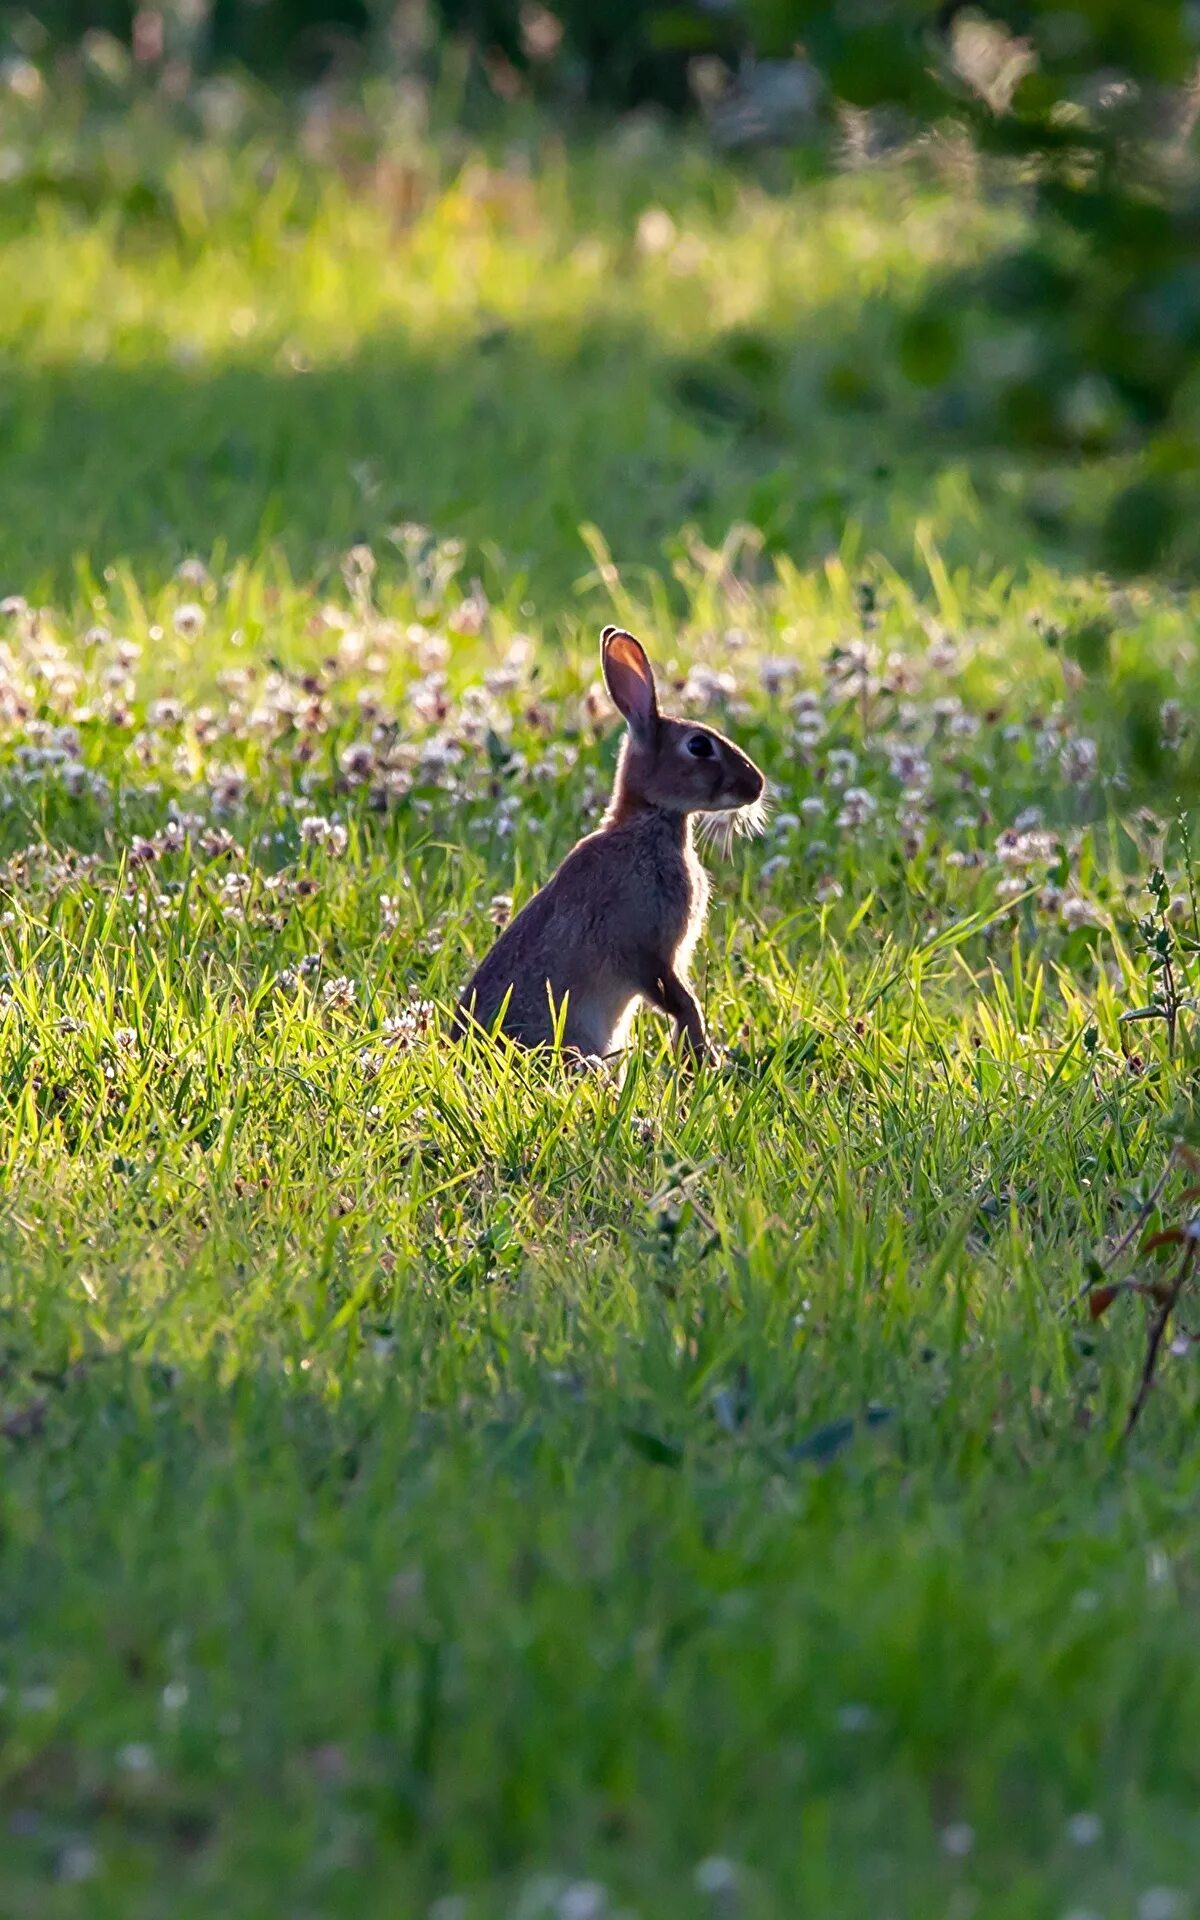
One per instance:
(669,901)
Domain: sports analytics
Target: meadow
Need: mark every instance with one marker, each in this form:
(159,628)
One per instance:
(437,1483)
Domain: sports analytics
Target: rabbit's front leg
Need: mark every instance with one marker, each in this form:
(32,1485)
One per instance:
(675,998)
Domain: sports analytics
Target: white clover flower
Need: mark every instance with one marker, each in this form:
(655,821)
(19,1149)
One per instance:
(1079,760)
(413,1021)
(909,766)
(715,1876)
(775,671)
(1034,847)
(957,1840)
(705,686)
(858,809)
(189,620)
(656,231)
(1085,1829)
(1078,912)
(583,1900)
(78,1861)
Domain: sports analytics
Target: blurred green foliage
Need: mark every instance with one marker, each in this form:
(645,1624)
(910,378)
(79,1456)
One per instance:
(617,54)
(1083,114)
(1094,106)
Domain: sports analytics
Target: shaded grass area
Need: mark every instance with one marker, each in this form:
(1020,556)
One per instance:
(630,339)
(435,1483)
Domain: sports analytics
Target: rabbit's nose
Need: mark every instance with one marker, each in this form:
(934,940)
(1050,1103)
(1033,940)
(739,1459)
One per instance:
(752,784)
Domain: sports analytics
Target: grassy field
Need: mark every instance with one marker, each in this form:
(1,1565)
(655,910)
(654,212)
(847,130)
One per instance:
(456,1487)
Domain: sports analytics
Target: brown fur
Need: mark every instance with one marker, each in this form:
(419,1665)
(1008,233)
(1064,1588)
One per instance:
(620,919)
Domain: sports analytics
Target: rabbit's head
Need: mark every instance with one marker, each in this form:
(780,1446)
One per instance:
(675,765)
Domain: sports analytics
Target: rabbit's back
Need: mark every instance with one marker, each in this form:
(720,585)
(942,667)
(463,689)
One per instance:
(625,899)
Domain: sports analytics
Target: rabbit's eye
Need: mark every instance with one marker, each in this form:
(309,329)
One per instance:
(701,746)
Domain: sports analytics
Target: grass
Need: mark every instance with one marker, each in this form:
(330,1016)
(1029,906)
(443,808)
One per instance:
(445,1485)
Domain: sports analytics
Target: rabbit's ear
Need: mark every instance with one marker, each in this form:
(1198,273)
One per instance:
(629,680)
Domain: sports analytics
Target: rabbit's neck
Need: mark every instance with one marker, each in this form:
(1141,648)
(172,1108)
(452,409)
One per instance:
(630,809)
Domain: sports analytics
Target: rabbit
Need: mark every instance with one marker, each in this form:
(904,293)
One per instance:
(619,920)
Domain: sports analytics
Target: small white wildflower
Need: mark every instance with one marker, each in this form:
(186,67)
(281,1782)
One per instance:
(1078,912)
(136,1757)
(125,1038)
(470,616)
(583,1900)
(957,1840)
(1079,759)
(843,765)
(775,671)
(855,1717)
(1084,1829)
(1159,1903)
(175,1696)
(77,1862)
(189,620)
(827,889)
(812,808)
(706,686)
(942,656)
(858,808)
(357,761)
(656,231)
(1029,847)
(341,992)
(405,1028)
(227,790)
(909,766)
(715,1876)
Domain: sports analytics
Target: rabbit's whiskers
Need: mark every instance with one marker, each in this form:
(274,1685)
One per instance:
(719,830)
